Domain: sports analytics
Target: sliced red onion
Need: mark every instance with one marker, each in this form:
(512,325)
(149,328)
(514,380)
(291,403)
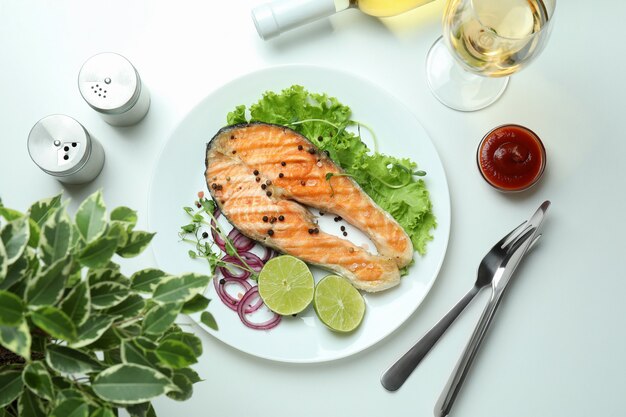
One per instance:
(269,254)
(241,311)
(226,298)
(232,302)
(241,242)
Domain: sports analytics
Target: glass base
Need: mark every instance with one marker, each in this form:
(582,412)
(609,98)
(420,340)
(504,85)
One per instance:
(457,88)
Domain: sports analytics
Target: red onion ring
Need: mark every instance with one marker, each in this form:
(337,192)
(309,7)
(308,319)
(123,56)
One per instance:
(241,311)
(226,298)
(229,300)
(269,254)
(241,242)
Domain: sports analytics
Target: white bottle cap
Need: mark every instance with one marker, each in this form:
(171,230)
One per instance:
(271,19)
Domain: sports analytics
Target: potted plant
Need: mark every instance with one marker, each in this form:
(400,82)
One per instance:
(77,337)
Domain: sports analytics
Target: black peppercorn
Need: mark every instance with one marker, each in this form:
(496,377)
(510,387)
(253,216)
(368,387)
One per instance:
(283,163)
(310,231)
(265,219)
(263,186)
(205,235)
(345,233)
(343,228)
(281,175)
(281,218)
(255,172)
(268,182)
(320,138)
(257,179)
(222,281)
(302,183)
(269,193)
(270,232)
(311,151)
(299,147)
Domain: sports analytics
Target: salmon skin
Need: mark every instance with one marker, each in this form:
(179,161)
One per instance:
(261,177)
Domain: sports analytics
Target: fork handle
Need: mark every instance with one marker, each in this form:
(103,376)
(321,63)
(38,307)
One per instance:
(396,375)
(452,388)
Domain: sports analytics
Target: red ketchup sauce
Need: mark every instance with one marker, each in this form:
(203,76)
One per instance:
(511,158)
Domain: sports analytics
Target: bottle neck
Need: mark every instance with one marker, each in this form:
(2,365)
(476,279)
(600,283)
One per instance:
(271,19)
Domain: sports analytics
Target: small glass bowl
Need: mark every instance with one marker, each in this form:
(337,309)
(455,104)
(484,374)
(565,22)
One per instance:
(514,139)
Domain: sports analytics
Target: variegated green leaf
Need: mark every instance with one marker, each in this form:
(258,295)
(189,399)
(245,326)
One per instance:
(124,215)
(56,236)
(92,330)
(160,317)
(17,339)
(4,262)
(132,353)
(98,253)
(102,412)
(66,360)
(11,309)
(41,210)
(188,339)
(108,294)
(47,287)
(91,217)
(18,270)
(37,378)
(184,385)
(180,288)
(146,280)
(137,242)
(11,386)
(128,308)
(196,304)
(15,235)
(130,384)
(95,276)
(77,303)
(175,354)
(54,322)
(29,405)
(74,407)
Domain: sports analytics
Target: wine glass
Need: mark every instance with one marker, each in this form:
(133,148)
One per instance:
(483,42)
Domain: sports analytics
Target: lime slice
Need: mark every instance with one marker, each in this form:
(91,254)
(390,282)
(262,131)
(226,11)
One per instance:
(286,285)
(338,304)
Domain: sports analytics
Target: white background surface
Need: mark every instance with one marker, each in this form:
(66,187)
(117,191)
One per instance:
(558,345)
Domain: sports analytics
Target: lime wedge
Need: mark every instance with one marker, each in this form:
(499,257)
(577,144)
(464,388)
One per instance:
(286,285)
(338,304)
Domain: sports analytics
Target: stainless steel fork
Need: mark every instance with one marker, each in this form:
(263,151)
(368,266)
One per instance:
(396,375)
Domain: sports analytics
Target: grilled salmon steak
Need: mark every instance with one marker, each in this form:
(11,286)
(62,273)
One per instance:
(261,175)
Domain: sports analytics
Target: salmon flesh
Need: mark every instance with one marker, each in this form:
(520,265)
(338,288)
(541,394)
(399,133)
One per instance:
(262,176)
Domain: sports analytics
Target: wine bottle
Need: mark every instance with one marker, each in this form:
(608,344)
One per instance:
(273,18)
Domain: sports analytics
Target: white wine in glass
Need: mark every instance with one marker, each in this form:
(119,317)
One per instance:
(483,42)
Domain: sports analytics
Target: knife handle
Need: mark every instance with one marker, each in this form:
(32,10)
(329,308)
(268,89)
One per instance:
(452,388)
(397,374)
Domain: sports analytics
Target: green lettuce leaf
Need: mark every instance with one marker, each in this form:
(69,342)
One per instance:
(323,120)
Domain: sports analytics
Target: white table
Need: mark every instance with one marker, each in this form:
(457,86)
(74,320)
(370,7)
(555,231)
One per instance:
(558,345)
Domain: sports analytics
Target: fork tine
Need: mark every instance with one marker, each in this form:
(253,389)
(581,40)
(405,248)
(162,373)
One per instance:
(509,237)
(519,240)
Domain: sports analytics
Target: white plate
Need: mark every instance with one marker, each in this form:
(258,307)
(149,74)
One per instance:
(179,176)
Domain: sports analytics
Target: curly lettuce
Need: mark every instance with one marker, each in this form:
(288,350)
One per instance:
(388,180)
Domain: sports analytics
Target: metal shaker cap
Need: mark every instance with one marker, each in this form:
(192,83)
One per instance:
(109,83)
(59,145)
